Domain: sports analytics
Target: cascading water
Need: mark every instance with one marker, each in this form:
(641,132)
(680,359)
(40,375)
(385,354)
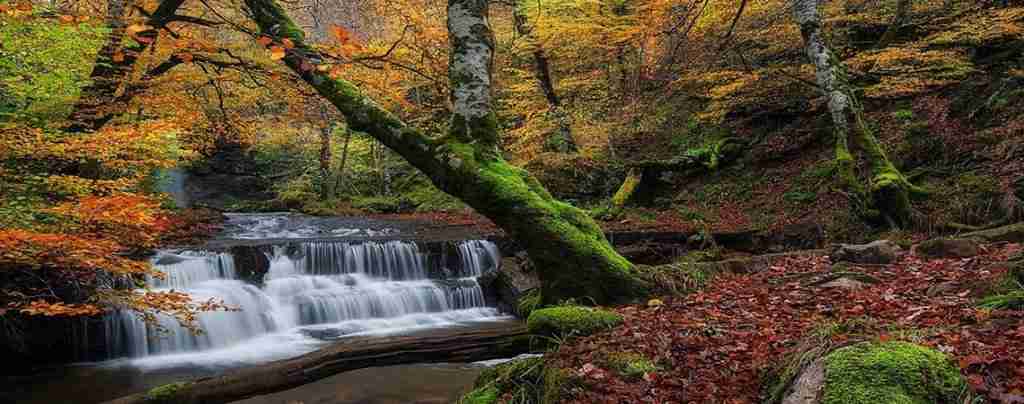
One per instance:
(324,289)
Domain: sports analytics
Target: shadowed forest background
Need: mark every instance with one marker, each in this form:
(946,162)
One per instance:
(732,144)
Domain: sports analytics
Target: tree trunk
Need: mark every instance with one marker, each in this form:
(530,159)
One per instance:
(571,253)
(105,76)
(326,189)
(356,353)
(344,160)
(563,138)
(902,10)
(98,102)
(888,188)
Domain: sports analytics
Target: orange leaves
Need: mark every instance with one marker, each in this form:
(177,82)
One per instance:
(264,41)
(277,52)
(59,309)
(65,253)
(341,34)
(132,220)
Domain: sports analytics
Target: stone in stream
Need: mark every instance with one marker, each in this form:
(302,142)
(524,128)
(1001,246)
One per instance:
(875,252)
(505,287)
(251,264)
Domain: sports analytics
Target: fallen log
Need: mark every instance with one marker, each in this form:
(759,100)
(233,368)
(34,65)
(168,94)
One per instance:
(352,354)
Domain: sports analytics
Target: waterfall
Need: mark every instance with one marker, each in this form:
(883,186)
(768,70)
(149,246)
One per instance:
(331,287)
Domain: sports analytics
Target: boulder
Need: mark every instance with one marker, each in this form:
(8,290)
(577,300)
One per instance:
(563,321)
(504,288)
(251,264)
(1013,233)
(877,372)
(948,248)
(875,252)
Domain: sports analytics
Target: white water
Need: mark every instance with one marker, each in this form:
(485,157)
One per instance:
(324,289)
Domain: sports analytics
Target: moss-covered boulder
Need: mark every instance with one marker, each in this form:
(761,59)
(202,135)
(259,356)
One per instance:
(879,372)
(571,320)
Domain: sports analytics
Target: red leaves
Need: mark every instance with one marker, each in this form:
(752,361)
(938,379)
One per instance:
(715,345)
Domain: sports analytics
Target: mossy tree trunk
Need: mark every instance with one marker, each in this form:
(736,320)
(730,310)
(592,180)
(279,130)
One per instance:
(573,258)
(888,190)
(628,188)
(99,101)
(563,139)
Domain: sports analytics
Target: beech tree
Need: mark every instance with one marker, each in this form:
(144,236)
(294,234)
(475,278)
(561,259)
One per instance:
(888,191)
(573,258)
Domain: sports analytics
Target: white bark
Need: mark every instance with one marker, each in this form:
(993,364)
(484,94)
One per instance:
(470,63)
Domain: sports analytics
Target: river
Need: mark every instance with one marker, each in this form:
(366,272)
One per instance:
(328,279)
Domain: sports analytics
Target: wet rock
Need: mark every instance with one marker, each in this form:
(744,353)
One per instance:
(169,259)
(875,252)
(948,248)
(504,288)
(251,264)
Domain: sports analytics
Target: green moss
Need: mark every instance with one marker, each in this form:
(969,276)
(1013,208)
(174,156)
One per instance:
(631,365)
(522,379)
(1007,301)
(628,188)
(890,372)
(528,302)
(571,320)
(556,382)
(164,394)
(483,395)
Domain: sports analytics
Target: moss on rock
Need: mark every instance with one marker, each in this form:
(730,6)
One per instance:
(164,394)
(629,364)
(890,372)
(571,320)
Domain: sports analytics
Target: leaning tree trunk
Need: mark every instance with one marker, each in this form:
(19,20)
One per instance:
(98,102)
(563,139)
(888,188)
(570,251)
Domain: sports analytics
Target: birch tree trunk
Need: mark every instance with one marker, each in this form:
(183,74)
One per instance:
(573,258)
(563,139)
(888,190)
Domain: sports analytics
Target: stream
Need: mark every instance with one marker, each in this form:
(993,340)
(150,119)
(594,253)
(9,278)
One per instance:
(328,279)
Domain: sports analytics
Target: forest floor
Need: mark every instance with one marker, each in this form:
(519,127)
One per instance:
(719,343)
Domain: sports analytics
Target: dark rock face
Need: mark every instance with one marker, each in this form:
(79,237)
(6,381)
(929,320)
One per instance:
(251,264)
(797,236)
(225,178)
(504,288)
(948,248)
(875,252)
